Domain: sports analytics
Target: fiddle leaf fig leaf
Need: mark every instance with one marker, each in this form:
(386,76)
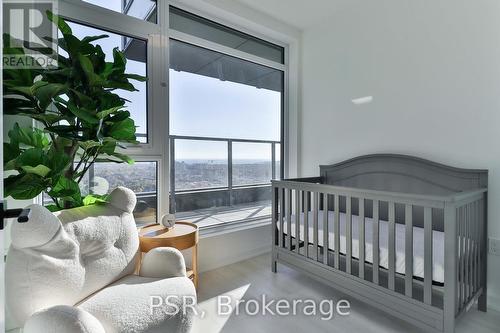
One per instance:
(123,130)
(40,170)
(24,186)
(65,188)
(47,92)
(61,24)
(105,113)
(83,114)
(123,157)
(93,199)
(31,137)
(136,77)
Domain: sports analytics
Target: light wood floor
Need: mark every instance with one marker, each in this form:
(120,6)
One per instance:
(251,278)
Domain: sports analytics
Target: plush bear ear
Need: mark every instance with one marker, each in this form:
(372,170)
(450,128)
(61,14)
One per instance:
(39,230)
(123,199)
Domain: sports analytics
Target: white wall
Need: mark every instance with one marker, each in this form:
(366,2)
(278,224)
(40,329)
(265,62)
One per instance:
(225,249)
(433,68)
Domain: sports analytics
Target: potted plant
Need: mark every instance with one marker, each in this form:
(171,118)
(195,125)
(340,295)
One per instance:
(82,119)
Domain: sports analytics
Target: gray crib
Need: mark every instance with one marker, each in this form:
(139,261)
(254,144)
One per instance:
(401,233)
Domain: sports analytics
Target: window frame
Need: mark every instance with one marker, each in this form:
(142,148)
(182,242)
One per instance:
(157,36)
(206,44)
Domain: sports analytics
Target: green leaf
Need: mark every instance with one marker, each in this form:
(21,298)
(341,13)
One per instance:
(48,118)
(92,199)
(83,99)
(64,188)
(53,208)
(108,146)
(89,39)
(68,132)
(83,114)
(119,85)
(119,60)
(31,157)
(23,186)
(10,151)
(105,113)
(32,137)
(58,162)
(40,170)
(61,24)
(123,157)
(123,130)
(119,116)
(136,77)
(86,145)
(89,71)
(46,93)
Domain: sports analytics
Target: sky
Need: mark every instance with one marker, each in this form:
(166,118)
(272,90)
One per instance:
(203,106)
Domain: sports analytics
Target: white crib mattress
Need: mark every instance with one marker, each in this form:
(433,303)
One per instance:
(418,242)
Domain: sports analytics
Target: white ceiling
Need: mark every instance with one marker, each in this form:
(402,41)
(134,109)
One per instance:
(298,13)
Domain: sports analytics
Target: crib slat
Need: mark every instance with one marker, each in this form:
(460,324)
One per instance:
(326,246)
(475,222)
(281,216)
(348,234)
(297,221)
(408,251)
(478,242)
(482,250)
(289,217)
(466,257)
(427,255)
(457,259)
(392,246)
(361,238)
(461,255)
(306,223)
(375,242)
(471,245)
(469,242)
(315,225)
(336,226)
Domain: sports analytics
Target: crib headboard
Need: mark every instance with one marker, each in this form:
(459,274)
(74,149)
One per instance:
(406,174)
(402,173)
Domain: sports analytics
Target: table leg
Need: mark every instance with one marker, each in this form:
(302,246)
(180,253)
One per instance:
(195,265)
(138,263)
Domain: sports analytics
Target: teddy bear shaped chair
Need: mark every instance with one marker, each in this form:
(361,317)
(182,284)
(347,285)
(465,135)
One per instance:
(73,272)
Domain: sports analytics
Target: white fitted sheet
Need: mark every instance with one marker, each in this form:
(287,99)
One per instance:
(418,242)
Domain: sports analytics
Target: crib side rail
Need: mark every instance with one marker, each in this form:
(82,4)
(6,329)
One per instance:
(470,250)
(301,235)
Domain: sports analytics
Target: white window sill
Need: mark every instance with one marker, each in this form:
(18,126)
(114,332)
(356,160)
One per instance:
(229,227)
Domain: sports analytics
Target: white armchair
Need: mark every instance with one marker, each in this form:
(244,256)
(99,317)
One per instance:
(73,272)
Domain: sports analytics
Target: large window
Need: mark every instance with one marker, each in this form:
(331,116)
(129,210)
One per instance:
(224,105)
(225,120)
(142,176)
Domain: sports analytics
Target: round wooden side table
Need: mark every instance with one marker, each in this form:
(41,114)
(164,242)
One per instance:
(182,236)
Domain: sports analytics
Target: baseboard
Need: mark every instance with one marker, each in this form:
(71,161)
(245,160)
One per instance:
(234,259)
(493,303)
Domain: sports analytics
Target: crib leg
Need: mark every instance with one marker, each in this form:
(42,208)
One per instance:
(481,302)
(449,326)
